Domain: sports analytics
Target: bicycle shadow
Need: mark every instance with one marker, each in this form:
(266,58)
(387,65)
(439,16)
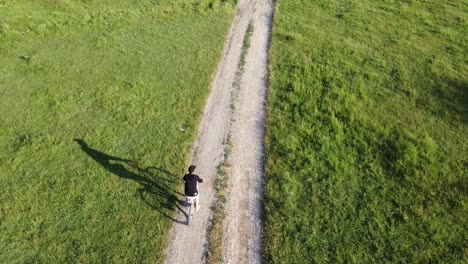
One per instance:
(157,185)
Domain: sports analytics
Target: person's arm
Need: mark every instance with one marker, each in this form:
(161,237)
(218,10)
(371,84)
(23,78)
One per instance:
(185,178)
(200,180)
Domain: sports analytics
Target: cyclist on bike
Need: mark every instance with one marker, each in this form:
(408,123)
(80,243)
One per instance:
(191,187)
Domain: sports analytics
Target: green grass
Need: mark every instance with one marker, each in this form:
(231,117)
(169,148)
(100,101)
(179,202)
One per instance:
(367,132)
(100,103)
(216,228)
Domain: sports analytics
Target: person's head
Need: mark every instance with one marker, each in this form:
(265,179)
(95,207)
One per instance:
(191,169)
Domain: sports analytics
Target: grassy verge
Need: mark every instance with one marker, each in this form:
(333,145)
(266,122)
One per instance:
(100,103)
(367,132)
(216,230)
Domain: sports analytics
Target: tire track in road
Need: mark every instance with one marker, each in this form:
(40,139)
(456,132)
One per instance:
(244,224)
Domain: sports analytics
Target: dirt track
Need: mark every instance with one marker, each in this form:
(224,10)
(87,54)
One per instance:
(243,230)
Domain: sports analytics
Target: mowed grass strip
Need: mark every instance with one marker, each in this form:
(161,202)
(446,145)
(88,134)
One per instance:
(367,139)
(99,105)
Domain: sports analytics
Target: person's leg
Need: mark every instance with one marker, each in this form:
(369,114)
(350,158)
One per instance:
(197,203)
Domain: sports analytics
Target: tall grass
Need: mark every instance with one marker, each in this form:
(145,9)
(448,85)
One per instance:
(99,103)
(367,132)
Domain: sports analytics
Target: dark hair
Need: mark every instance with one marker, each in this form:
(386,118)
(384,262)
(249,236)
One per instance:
(191,169)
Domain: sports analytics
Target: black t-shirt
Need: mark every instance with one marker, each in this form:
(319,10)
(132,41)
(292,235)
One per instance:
(191,181)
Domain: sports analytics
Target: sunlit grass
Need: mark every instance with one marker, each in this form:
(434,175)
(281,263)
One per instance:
(367,132)
(128,81)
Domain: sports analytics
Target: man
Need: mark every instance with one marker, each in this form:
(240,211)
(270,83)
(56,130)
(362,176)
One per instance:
(191,187)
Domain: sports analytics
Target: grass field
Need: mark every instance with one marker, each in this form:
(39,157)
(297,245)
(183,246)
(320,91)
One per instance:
(100,103)
(367,139)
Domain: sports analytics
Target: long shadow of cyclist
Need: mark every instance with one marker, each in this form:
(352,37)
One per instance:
(157,185)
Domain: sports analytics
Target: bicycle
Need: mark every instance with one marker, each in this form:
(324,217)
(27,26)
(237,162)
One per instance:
(191,200)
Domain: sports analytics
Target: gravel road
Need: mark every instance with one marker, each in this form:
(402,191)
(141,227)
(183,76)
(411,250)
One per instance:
(245,125)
